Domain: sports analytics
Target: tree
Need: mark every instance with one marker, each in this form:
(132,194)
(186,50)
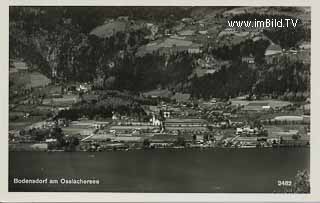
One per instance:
(206,137)
(146,143)
(57,133)
(300,184)
(194,137)
(264,133)
(71,143)
(180,141)
(296,136)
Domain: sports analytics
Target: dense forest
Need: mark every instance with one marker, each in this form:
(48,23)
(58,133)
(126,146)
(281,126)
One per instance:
(245,48)
(57,43)
(229,82)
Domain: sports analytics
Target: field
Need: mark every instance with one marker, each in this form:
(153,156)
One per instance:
(265,116)
(83,132)
(172,43)
(19,125)
(273,129)
(289,118)
(110,28)
(23,123)
(28,80)
(66,100)
(271,103)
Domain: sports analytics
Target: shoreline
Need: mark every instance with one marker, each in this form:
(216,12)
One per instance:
(158,149)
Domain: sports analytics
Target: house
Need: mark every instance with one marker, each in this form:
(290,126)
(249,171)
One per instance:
(248,59)
(115,116)
(267,107)
(166,114)
(18,66)
(84,88)
(176,130)
(273,49)
(155,121)
(245,131)
(100,124)
(194,49)
(185,125)
(132,129)
(51,140)
(185,122)
(160,144)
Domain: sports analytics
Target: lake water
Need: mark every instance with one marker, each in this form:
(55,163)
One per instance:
(214,170)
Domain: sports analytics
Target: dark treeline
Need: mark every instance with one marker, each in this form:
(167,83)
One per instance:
(245,48)
(228,82)
(152,71)
(289,79)
(104,109)
(28,52)
(289,37)
(67,143)
(87,18)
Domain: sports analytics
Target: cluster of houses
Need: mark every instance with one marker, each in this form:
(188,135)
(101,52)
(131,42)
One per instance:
(248,131)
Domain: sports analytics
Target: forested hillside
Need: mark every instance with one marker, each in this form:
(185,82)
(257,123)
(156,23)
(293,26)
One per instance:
(58,43)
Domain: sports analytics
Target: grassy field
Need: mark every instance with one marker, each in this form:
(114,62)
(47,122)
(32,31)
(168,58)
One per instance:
(271,103)
(23,123)
(110,28)
(28,80)
(273,129)
(66,100)
(83,132)
(265,116)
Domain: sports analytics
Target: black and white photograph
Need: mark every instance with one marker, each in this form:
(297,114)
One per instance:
(159,99)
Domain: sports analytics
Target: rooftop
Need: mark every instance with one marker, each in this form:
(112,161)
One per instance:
(185,120)
(273,49)
(125,127)
(258,104)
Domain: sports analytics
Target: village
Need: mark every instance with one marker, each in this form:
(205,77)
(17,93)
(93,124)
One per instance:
(176,121)
(57,114)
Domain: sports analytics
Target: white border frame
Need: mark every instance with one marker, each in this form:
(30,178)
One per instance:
(163,197)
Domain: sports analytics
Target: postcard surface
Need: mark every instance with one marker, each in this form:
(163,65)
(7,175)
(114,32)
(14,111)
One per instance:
(174,100)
